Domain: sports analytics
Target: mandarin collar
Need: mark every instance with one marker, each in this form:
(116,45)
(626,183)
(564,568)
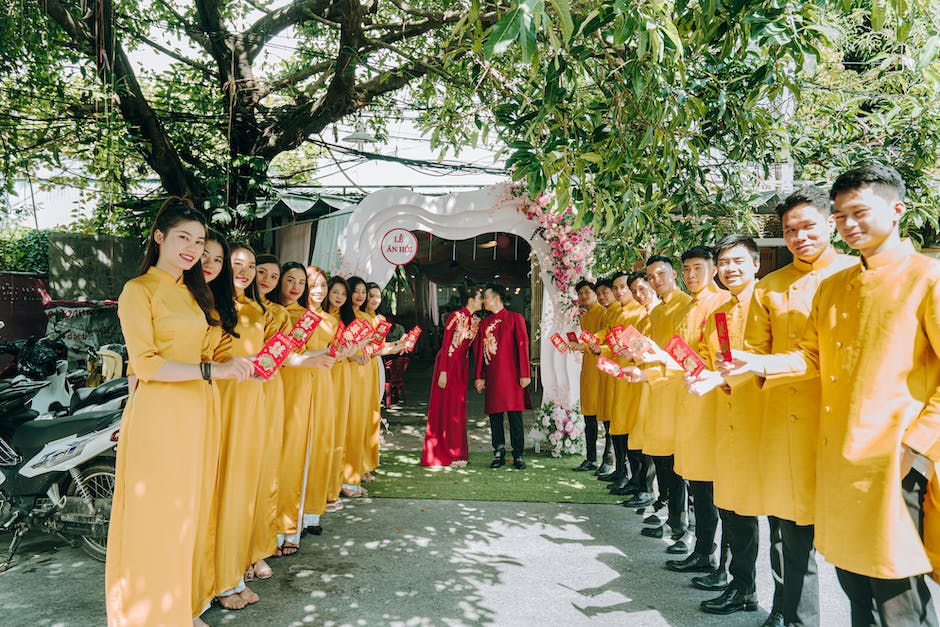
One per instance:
(745,295)
(710,290)
(163,275)
(827,257)
(889,257)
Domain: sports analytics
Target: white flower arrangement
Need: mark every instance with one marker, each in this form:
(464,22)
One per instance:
(563,428)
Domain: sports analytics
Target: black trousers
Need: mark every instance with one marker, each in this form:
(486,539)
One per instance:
(516,434)
(796,582)
(643,472)
(672,487)
(608,455)
(741,533)
(706,516)
(590,435)
(893,602)
(620,455)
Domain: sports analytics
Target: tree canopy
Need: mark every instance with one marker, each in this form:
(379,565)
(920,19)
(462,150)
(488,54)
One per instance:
(654,119)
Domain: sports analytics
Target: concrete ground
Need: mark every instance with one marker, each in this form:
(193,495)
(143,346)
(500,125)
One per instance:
(430,562)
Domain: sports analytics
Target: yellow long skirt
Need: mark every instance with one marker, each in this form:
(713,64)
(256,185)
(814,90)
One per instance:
(341,392)
(360,415)
(244,428)
(322,442)
(265,528)
(297,400)
(204,552)
(156,506)
(370,451)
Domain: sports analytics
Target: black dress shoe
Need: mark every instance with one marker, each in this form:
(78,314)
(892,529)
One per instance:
(679,547)
(774,620)
(314,530)
(604,469)
(731,600)
(716,581)
(695,563)
(652,532)
(611,476)
(640,499)
(518,464)
(497,462)
(586,465)
(653,520)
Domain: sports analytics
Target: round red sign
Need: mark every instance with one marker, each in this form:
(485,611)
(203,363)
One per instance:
(399,246)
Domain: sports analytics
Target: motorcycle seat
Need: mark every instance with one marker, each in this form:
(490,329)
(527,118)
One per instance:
(84,397)
(33,435)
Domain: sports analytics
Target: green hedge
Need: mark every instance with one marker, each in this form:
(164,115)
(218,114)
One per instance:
(24,251)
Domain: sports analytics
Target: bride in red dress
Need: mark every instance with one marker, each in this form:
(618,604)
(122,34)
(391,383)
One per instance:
(445,440)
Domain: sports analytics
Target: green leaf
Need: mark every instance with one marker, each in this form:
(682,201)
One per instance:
(929,52)
(503,34)
(563,9)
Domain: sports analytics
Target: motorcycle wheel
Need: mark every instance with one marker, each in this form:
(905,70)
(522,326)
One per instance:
(99,480)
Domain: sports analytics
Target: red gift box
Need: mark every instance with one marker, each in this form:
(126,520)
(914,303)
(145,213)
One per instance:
(559,343)
(609,366)
(304,328)
(724,339)
(688,359)
(272,355)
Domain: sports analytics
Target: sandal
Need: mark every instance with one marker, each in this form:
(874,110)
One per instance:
(334,506)
(263,571)
(249,574)
(287,549)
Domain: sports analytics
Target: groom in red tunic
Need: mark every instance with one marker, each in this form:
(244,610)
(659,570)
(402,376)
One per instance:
(502,370)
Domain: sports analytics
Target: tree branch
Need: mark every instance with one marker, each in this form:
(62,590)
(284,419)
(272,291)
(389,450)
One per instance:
(269,25)
(202,67)
(137,113)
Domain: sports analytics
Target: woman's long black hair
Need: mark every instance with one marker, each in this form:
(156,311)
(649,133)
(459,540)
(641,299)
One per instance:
(260,260)
(252,290)
(223,286)
(174,211)
(337,280)
(346,313)
(276,292)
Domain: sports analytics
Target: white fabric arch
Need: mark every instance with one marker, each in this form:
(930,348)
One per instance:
(460,216)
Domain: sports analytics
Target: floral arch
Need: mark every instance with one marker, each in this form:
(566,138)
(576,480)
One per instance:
(562,253)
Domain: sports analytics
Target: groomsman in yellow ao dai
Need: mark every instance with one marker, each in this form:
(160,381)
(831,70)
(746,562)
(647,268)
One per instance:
(591,320)
(605,297)
(873,339)
(777,319)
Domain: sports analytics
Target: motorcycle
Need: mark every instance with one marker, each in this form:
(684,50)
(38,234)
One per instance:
(57,473)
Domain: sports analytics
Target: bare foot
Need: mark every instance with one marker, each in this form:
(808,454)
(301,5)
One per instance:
(262,570)
(248,596)
(232,601)
(368,477)
(198,622)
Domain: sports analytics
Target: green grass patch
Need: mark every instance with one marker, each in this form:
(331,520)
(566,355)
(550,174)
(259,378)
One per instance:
(545,480)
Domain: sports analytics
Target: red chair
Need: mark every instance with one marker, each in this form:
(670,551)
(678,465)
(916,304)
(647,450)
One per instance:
(395,369)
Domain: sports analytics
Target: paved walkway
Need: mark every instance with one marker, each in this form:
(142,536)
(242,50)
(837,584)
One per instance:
(422,562)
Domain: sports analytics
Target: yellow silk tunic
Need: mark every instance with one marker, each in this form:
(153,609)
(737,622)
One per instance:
(738,417)
(659,424)
(873,338)
(362,379)
(373,432)
(628,405)
(264,533)
(342,391)
(776,321)
(322,432)
(218,348)
(605,390)
(157,502)
(695,416)
(591,321)
(245,423)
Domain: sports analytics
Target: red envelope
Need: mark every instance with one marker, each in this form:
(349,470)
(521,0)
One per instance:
(559,343)
(304,328)
(572,336)
(688,359)
(608,366)
(636,341)
(411,340)
(272,355)
(587,338)
(724,340)
(381,331)
(615,339)
(336,344)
